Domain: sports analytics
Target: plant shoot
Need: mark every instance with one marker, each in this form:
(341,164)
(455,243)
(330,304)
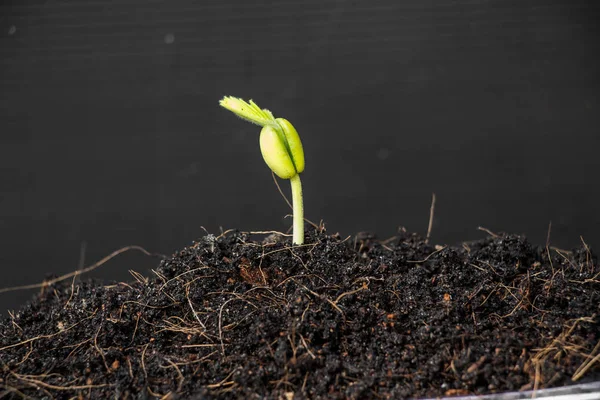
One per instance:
(281,149)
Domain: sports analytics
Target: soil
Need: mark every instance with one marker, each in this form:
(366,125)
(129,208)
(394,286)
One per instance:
(236,317)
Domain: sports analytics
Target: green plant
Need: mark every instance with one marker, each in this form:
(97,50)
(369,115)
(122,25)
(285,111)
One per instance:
(281,149)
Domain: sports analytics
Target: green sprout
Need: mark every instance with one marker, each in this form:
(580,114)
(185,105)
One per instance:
(281,149)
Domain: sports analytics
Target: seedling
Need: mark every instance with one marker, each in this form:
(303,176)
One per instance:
(281,149)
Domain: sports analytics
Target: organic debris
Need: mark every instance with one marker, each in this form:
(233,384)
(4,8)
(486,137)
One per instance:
(335,318)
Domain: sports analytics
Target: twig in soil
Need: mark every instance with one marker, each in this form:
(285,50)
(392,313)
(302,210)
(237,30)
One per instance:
(593,279)
(303,389)
(37,387)
(143,360)
(548,234)
(551,264)
(224,233)
(588,255)
(72,291)
(159,275)
(431,212)
(180,378)
(76,347)
(187,296)
(144,305)
(237,297)
(233,325)
(491,267)
(129,367)
(310,353)
(158,395)
(290,248)
(525,294)
(384,243)
(223,382)
(284,380)
(36,382)
(99,350)
(567,259)
(476,266)
(590,360)
(185,273)
(561,344)
(494,290)
(322,297)
(305,311)
(79,267)
(486,230)
(185,346)
(92,267)
(33,339)
(341,296)
(206,357)
(13,322)
(9,389)
(426,258)
(513,310)
(268,233)
(26,355)
(537,379)
(178,324)
(291,278)
(141,279)
(137,323)
(292,338)
(296,256)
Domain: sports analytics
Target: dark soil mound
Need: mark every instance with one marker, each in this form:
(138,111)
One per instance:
(355,318)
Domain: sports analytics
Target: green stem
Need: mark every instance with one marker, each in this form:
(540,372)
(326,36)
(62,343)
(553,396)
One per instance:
(298,207)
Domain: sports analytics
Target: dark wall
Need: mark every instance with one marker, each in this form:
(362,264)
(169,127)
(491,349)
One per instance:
(111,133)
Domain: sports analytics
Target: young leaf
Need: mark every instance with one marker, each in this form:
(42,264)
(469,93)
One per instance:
(248,111)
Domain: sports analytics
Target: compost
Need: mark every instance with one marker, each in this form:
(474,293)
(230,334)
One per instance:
(249,316)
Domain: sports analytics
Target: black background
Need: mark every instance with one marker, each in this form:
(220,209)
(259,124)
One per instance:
(111,133)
